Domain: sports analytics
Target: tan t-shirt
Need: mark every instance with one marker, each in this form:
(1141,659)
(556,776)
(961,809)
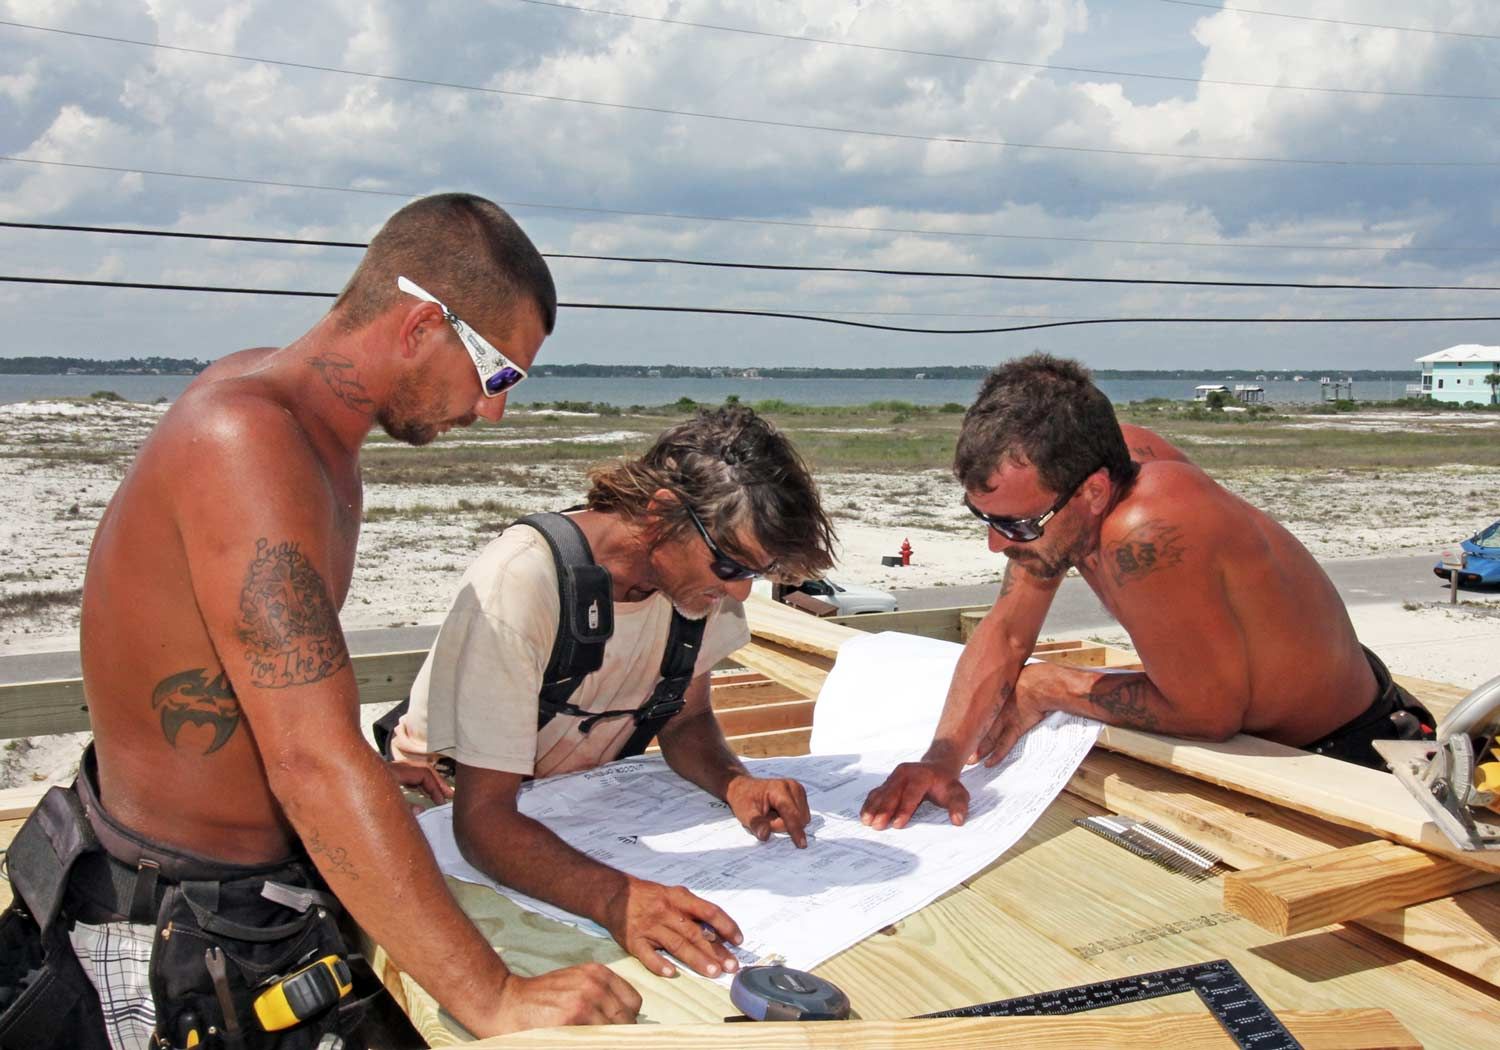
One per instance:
(476,695)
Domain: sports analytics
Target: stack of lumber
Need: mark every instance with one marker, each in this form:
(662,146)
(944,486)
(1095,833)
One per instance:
(1316,841)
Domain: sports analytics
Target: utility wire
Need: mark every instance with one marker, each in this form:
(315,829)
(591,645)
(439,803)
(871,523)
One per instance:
(832,129)
(1333,21)
(796,268)
(689,217)
(953,56)
(733,312)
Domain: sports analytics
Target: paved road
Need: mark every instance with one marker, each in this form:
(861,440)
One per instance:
(1362,580)
(1359,580)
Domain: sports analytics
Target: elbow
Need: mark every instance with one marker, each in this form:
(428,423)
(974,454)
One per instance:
(1220,722)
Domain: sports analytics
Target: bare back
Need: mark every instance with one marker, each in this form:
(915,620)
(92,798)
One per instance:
(178,762)
(1219,600)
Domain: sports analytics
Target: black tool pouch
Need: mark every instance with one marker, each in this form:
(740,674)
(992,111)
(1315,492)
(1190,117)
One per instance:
(261,941)
(46,999)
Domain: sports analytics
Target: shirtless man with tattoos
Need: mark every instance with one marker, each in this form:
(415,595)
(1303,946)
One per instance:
(1237,627)
(225,710)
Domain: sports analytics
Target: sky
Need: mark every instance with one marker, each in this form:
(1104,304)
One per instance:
(889,134)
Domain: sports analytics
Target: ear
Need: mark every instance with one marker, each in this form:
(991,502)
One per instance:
(419,326)
(1098,489)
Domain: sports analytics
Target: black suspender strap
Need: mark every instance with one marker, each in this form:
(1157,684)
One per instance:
(585,615)
(677,665)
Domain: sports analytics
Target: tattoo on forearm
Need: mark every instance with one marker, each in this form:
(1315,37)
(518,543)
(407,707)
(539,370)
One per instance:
(191,698)
(1146,549)
(1125,704)
(335,857)
(288,624)
(338,372)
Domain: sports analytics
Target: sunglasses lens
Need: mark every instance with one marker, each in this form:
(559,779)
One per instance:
(503,380)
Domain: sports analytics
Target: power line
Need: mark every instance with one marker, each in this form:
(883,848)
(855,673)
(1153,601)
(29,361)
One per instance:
(690,217)
(794,267)
(833,129)
(820,319)
(953,56)
(1333,21)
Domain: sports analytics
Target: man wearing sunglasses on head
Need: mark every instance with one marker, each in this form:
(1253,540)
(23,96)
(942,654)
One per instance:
(682,531)
(229,784)
(1237,627)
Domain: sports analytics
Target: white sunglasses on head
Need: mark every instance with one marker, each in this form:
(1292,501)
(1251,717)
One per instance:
(497,373)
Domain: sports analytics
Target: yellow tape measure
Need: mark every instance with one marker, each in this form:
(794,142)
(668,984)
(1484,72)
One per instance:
(303,994)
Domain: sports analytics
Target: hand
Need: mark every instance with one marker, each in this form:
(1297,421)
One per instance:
(909,785)
(1027,707)
(767,805)
(587,994)
(419,776)
(649,916)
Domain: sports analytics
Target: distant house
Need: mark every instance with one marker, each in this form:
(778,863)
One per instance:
(1457,374)
(1202,390)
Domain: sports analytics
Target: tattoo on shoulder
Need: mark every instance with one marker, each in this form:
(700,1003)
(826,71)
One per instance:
(1146,549)
(336,857)
(288,624)
(338,372)
(1143,452)
(1124,704)
(192,698)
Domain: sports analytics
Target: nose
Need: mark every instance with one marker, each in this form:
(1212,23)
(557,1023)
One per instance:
(490,408)
(739,590)
(998,543)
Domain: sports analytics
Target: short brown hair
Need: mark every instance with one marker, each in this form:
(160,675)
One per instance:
(733,469)
(463,249)
(1045,411)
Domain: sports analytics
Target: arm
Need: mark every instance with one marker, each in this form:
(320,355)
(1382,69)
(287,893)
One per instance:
(504,843)
(693,745)
(983,685)
(258,529)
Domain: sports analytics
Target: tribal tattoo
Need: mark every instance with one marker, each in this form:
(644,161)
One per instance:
(191,698)
(338,372)
(1125,704)
(288,624)
(1148,548)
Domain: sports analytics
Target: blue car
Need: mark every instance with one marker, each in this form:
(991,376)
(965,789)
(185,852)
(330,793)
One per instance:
(1481,562)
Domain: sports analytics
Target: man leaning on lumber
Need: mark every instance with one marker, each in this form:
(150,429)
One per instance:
(1237,627)
(682,531)
(230,805)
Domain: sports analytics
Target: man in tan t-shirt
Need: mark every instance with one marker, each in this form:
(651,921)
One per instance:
(715,502)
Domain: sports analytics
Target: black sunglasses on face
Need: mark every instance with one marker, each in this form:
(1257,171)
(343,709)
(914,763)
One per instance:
(723,566)
(1024,530)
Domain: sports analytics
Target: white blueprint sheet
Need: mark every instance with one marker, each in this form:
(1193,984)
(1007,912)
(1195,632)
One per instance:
(807,905)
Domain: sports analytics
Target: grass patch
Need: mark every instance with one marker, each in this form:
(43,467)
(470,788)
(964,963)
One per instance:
(490,508)
(32,603)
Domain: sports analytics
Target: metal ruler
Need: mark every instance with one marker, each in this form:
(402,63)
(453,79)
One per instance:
(1247,1019)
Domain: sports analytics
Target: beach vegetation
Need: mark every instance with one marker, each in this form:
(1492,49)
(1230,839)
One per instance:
(105,395)
(33,603)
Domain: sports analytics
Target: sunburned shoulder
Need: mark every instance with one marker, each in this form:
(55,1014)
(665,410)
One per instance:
(1177,496)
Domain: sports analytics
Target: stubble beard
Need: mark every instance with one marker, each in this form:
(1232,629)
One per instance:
(405,416)
(1045,566)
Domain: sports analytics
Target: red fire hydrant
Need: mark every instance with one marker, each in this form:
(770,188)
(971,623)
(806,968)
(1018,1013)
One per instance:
(906,552)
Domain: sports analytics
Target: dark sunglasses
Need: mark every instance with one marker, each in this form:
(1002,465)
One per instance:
(1024,530)
(723,566)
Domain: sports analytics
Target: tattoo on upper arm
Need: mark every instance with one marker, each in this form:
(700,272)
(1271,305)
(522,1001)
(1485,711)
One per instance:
(1006,582)
(1146,549)
(190,697)
(1143,452)
(288,624)
(338,372)
(1125,703)
(336,857)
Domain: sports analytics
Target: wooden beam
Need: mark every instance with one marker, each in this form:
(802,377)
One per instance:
(793,668)
(773,744)
(774,622)
(764,718)
(1462,931)
(1368,1029)
(943,624)
(17,803)
(1312,892)
(1344,793)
